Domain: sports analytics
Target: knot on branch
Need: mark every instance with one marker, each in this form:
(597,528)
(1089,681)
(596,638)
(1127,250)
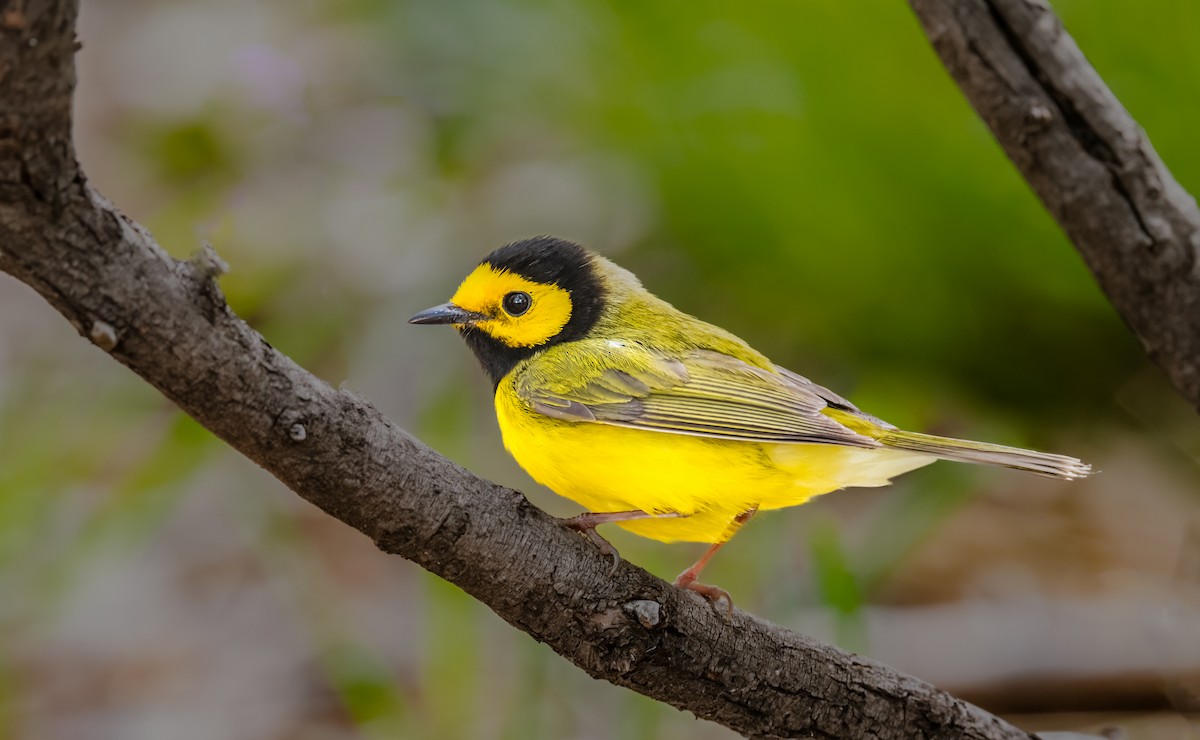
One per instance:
(103,335)
(647,613)
(293,424)
(206,264)
(205,267)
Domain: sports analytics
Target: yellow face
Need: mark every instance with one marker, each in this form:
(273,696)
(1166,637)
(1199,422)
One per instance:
(518,311)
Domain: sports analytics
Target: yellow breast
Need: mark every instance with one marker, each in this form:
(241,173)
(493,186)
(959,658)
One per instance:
(709,481)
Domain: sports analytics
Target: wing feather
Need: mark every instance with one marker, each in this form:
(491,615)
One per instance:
(702,393)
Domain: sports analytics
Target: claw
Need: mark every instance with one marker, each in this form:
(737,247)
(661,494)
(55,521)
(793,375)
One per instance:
(713,594)
(605,548)
(687,579)
(589,530)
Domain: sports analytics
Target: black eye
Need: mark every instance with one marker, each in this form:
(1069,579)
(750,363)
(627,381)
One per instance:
(517,303)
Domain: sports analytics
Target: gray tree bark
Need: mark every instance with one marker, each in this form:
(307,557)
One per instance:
(1088,161)
(168,322)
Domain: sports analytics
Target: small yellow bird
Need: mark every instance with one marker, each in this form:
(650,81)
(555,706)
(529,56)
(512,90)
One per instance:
(660,423)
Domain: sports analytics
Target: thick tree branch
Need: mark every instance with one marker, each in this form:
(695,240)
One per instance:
(1088,161)
(168,322)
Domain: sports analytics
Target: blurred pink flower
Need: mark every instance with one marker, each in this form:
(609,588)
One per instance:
(271,79)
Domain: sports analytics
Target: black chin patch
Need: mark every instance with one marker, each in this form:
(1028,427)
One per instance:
(550,261)
(496,357)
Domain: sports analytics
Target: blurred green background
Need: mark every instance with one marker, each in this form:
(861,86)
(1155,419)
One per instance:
(803,173)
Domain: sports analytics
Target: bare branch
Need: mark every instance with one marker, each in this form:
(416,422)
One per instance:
(1088,161)
(167,321)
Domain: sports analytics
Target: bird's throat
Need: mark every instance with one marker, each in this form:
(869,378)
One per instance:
(496,357)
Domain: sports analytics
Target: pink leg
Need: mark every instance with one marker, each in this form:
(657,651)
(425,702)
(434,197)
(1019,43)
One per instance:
(587,522)
(687,579)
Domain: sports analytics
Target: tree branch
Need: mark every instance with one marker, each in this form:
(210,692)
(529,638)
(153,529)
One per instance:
(168,322)
(1088,161)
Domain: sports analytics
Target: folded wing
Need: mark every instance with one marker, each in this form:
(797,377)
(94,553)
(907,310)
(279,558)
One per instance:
(700,393)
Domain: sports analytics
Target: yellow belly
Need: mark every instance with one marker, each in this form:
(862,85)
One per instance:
(707,481)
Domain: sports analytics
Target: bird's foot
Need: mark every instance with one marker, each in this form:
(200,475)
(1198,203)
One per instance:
(586,526)
(687,579)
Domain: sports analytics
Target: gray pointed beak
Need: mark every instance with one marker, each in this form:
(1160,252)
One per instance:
(447,313)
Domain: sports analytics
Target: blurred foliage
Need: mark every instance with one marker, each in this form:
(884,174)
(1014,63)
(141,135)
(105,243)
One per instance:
(837,585)
(803,173)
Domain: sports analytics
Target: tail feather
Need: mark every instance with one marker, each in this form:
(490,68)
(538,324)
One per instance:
(983,453)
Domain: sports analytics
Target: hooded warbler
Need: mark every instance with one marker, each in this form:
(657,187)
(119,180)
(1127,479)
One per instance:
(663,424)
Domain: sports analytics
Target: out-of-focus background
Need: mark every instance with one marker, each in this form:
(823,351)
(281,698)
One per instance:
(802,173)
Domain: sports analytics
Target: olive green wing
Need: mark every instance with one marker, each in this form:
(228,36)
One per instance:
(700,393)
